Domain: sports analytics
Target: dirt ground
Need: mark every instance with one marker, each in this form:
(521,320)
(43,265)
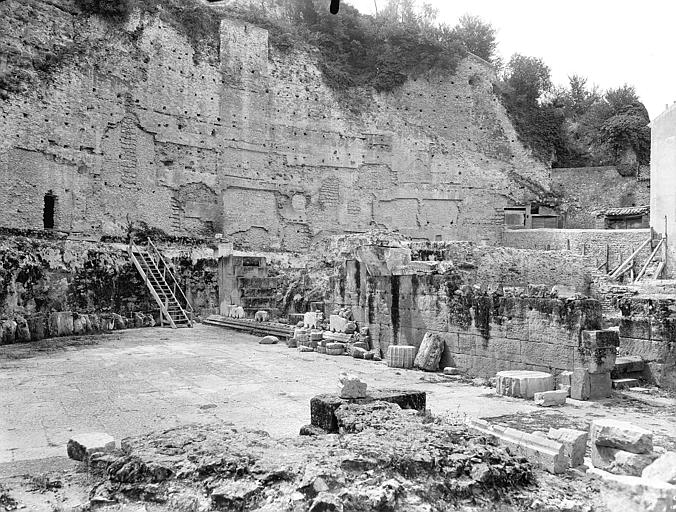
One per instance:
(141,380)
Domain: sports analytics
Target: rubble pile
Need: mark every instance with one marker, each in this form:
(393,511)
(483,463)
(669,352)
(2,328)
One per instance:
(390,460)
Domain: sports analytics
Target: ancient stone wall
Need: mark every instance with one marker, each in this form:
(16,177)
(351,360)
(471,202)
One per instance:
(484,332)
(133,126)
(601,245)
(39,276)
(584,190)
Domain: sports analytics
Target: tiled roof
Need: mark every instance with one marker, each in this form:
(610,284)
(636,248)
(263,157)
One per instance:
(630,210)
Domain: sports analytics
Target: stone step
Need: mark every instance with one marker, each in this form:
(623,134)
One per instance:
(627,364)
(625,383)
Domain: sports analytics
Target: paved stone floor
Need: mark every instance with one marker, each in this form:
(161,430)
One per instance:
(134,381)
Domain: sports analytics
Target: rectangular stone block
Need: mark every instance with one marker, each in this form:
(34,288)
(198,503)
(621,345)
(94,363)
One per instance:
(600,339)
(550,398)
(600,385)
(635,494)
(621,435)
(620,462)
(580,387)
(323,407)
(574,443)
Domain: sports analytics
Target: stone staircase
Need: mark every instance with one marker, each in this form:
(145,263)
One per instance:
(628,372)
(175,309)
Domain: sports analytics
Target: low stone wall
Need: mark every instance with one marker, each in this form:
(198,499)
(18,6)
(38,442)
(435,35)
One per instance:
(592,243)
(484,332)
(41,275)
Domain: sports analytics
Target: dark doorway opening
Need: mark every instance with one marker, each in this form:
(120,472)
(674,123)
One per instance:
(48,215)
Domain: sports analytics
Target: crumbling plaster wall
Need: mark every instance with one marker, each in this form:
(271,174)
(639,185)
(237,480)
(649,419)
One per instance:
(584,190)
(251,143)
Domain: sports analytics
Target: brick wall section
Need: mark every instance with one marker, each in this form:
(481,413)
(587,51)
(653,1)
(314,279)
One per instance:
(584,190)
(129,129)
(591,242)
(484,334)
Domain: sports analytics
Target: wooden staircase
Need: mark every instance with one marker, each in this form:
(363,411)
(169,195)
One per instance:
(162,284)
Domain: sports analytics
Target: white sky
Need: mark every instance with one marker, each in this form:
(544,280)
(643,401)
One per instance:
(609,42)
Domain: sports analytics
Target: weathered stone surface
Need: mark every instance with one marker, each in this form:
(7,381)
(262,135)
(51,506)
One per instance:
(400,356)
(37,325)
(303,348)
(359,353)
(662,469)
(23,333)
(545,453)
(429,352)
(337,323)
(550,398)
(574,443)
(564,379)
(7,332)
(351,386)
(262,316)
(269,340)
(119,322)
(523,383)
(61,323)
(620,462)
(624,383)
(80,447)
(326,502)
(234,494)
(621,435)
(323,407)
(451,370)
(312,319)
(635,494)
(600,385)
(580,388)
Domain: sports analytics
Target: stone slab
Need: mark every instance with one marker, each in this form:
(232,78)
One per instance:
(81,446)
(600,385)
(662,469)
(523,383)
(621,435)
(551,398)
(580,387)
(574,443)
(429,352)
(450,370)
(542,452)
(323,407)
(635,494)
(624,383)
(620,462)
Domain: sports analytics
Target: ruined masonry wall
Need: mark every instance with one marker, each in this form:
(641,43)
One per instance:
(250,143)
(620,243)
(483,334)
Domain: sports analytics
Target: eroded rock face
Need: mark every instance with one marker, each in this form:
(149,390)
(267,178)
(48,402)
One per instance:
(395,460)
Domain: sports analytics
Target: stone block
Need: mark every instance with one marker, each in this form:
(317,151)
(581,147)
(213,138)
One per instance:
(523,383)
(400,356)
(303,348)
(323,407)
(358,353)
(580,387)
(574,443)
(627,364)
(624,383)
(600,339)
(337,323)
(23,333)
(351,386)
(269,340)
(620,462)
(37,325)
(429,352)
(450,370)
(81,447)
(621,435)
(544,453)
(564,378)
(663,469)
(600,360)
(600,385)
(550,398)
(61,323)
(635,494)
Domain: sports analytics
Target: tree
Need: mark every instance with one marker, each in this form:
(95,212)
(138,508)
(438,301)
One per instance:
(527,77)
(477,36)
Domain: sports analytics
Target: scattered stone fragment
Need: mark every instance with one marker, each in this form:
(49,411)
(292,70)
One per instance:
(23,333)
(523,383)
(335,349)
(80,447)
(359,353)
(233,494)
(620,462)
(574,443)
(311,430)
(451,370)
(662,469)
(624,383)
(400,356)
(621,435)
(429,352)
(550,398)
(635,494)
(351,386)
(303,348)
(261,316)
(269,340)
